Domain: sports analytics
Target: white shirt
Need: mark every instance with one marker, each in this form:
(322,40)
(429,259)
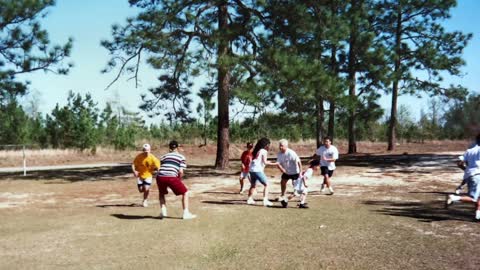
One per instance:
(331,152)
(307,175)
(472,160)
(257,164)
(289,161)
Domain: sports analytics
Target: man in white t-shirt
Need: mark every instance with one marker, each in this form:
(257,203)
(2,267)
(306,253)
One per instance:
(289,164)
(471,159)
(327,154)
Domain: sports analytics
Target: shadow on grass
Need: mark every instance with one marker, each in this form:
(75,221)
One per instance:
(136,217)
(241,202)
(222,192)
(133,217)
(119,205)
(425,211)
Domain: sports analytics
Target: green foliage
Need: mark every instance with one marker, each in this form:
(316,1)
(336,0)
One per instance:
(462,120)
(74,125)
(25,46)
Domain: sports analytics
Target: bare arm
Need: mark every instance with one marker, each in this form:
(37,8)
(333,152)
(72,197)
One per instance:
(134,171)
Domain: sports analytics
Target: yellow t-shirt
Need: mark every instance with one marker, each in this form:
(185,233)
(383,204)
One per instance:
(145,165)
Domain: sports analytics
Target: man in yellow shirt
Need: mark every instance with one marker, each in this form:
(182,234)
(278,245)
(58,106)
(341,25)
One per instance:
(143,167)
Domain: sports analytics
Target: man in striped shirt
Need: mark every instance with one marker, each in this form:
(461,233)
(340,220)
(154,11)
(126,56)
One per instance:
(170,175)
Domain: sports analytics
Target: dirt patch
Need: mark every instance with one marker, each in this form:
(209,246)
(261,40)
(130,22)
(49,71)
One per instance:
(387,213)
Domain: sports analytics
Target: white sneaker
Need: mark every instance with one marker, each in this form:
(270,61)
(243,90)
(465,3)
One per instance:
(188,215)
(448,201)
(163,213)
(458,190)
(266,202)
(250,201)
(280,198)
(145,203)
(477,215)
(322,189)
(331,190)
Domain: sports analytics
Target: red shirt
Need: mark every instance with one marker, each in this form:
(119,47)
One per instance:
(246,159)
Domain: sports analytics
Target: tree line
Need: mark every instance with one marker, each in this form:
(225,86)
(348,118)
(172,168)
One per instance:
(323,64)
(83,124)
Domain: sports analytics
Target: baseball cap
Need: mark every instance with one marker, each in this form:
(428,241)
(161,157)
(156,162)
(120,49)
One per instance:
(146,147)
(173,144)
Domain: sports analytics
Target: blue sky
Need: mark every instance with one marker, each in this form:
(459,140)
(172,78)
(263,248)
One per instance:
(88,22)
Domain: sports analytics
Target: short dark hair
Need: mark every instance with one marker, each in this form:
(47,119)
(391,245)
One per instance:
(327,138)
(173,144)
(314,162)
(249,145)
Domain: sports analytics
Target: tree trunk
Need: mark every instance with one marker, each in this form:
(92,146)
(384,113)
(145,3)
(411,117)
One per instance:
(352,144)
(320,119)
(392,128)
(331,121)
(222,158)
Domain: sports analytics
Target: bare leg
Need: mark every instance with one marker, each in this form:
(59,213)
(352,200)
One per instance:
(146,191)
(161,198)
(283,186)
(185,201)
(241,184)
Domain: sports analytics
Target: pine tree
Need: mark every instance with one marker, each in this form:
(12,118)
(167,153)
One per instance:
(25,46)
(184,38)
(418,43)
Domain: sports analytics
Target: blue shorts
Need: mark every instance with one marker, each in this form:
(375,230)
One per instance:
(258,176)
(473,187)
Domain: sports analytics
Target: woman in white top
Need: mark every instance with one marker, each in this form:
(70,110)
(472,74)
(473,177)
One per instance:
(257,166)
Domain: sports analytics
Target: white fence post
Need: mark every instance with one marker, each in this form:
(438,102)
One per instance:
(24,162)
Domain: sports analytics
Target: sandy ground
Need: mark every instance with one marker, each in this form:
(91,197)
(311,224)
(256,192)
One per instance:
(91,218)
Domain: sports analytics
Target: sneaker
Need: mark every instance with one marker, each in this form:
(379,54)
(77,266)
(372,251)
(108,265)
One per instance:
(163,213)
(284,203)
(448,201)
(458,191)
(322,189)
(266,202)
(280,198)
(303,205)
(145,203)
(477,215)
(188,215)
(331,190)
(250,201)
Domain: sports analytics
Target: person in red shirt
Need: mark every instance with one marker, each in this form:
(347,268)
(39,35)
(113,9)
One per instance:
(246,159)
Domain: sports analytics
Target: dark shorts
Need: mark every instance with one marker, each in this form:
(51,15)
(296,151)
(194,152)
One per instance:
(290,176)
(174,183)
(326,171)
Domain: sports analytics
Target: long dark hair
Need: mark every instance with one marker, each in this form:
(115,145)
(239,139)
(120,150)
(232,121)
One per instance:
(260,145)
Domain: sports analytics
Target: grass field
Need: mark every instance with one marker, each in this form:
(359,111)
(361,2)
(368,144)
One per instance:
(387,213)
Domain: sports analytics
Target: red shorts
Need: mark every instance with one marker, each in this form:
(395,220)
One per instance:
(174,183)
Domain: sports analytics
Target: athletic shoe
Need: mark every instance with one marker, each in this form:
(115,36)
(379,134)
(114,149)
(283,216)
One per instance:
(284,203)
(322,189)
(145,203)
(458,191)
(303,205)
(163,213)
(188,215)
(477,215)
(280,198)
(250,201)
(267,203)
(331,190)
(448,201)
(241,192)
